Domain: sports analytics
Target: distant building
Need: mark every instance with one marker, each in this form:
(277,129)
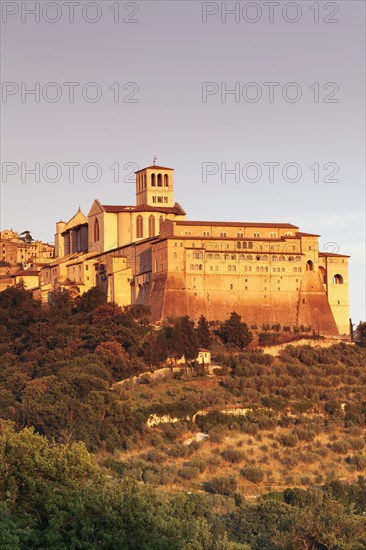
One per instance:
(204,357)
(15,250)
(151,254)
(21,259)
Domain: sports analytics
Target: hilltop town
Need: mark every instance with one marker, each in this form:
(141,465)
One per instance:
(151,254)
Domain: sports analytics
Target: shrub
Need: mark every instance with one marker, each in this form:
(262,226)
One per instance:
(234,456)
(198,462)
(179,451)
(253,474)
(288,440)
(341,447)
(359,461)
(155,457)
(305,434)
(275,402)
(222,485)
(356,443)
(331,407)
(217,434)
(268,338)
(189,472)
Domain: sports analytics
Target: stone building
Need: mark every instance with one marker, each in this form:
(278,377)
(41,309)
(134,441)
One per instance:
(21,258)
(15,250)
(151,254)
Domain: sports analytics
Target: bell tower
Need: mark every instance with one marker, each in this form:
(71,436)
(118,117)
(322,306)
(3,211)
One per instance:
(155,186)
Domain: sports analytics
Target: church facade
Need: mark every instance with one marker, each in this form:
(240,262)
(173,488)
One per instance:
(151,254)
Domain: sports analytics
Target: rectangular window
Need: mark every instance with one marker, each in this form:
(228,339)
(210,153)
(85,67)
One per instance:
(160,199)
(165,199)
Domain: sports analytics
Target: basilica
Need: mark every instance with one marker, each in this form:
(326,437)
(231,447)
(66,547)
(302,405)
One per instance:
(150,254)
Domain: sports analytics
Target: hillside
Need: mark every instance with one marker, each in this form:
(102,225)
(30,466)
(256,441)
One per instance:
(266,452)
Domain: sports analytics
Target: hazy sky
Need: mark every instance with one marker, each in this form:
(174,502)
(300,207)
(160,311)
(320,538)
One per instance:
(152,77)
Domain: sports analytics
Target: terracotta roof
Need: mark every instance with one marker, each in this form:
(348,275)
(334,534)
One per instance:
(176,209)
(238,224)
(26,272)
(152,167)
(331,254)
(301,234)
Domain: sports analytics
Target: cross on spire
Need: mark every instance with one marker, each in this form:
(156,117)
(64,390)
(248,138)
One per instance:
(155,159)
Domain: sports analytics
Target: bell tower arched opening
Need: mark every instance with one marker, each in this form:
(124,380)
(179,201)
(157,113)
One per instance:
(155,186)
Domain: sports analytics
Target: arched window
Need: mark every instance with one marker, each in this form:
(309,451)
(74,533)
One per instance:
(153,180)
(249,257)
(161,219)
(282,258)
(151,226)
(160,180)
(257,269)
(250,245)
(96,230)
(227,257)
(200,267)
(322,274)
(166,180)
(295,269)
(139,227)
(217,256)
(297,259)
(245,244)
(192,267)
(209,257)
(229,267)
(274,259)
(233,256)
(338,279)
(290,258)
(233,268)
(241,257)
(265,258)
(238,245)
(196,267)
(309,266)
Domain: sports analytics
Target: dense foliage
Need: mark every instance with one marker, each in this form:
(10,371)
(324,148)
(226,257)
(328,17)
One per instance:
(52,496)
(59,403)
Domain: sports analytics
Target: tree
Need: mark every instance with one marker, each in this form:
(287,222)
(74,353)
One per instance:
(360,334)
(203,333)
(235,333)
(185,339)
(91,299)
(154,348)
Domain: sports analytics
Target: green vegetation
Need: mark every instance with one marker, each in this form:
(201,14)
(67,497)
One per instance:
(279,465)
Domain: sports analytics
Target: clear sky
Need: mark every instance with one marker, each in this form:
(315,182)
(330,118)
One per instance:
(162,74)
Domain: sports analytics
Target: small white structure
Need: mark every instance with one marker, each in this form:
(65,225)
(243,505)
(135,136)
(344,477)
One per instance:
(204,357)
